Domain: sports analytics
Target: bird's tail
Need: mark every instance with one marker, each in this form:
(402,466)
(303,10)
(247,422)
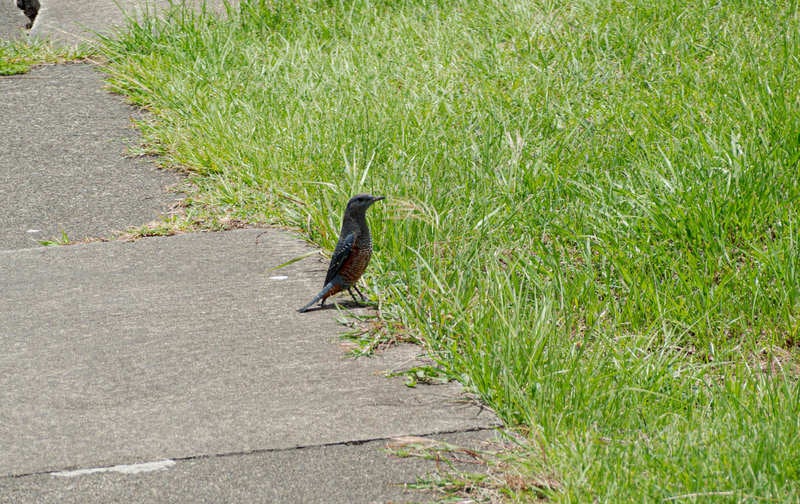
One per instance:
(319,296)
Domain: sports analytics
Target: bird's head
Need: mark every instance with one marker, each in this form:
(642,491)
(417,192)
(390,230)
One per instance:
(360,202)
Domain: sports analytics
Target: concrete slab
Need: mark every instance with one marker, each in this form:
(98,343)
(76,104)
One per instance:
(75,21)
(116,353)
(63,164)
(342,473)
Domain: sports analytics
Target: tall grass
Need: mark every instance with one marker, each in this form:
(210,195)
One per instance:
(592,215)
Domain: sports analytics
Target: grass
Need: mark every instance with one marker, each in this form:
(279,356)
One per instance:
(62,240)
(485,473)
(18,56)
(592,213)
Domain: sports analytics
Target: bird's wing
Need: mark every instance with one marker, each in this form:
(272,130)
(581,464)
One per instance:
(340,255)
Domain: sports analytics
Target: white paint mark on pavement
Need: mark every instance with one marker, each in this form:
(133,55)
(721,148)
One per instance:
(159,465)
(279,277)
(34,231)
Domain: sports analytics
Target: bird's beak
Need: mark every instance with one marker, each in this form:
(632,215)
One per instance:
(377,198)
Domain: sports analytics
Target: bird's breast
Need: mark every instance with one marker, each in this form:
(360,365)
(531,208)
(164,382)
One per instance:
(356,263)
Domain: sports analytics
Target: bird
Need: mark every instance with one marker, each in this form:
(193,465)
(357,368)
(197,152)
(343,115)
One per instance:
(30,8)
(352,253)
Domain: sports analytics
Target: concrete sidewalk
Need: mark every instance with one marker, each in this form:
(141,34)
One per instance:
(187,347)
(64,166)
(174,369)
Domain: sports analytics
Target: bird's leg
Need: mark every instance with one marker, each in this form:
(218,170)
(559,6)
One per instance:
(363,297)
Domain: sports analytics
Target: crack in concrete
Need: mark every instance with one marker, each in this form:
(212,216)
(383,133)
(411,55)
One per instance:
(243,453)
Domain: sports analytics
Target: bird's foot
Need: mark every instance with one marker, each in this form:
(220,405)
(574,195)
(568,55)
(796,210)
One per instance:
(363,297)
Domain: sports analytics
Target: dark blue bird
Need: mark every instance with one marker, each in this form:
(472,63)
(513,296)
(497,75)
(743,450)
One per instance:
(352,253)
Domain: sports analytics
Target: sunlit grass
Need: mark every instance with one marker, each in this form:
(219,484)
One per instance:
(592,213)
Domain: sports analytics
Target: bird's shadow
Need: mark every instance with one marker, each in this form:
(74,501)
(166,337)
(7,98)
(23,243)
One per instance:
(344,304)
